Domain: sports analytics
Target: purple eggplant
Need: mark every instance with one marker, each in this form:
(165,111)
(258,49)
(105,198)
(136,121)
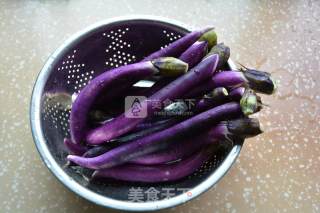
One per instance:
(87,96)
(226,130)
(161,139)
(123,124)
(179,46)
(194,54)
(159,173)
(256,80)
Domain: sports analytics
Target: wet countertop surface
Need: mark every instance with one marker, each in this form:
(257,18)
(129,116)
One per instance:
(276,172)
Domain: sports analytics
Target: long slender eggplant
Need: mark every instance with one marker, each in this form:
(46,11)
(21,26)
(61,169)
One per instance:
(159,173)
(225,130)
(87,96)
(179,46)
(259,81)
(160,140)
(124,123)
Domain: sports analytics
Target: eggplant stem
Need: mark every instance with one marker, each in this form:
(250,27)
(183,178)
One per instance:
(242,66)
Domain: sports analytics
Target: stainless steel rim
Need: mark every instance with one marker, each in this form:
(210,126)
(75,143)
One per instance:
(46,156)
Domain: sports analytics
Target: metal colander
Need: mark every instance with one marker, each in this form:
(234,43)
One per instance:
(101,47)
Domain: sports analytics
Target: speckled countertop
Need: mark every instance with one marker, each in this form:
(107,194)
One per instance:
(276,172)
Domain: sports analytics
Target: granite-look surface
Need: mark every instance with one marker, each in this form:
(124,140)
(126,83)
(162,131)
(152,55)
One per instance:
(276,172)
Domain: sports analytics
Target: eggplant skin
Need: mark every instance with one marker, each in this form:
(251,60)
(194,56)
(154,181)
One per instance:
(177,47)
(160,140)
(122,124)
(86,98)
(153,174)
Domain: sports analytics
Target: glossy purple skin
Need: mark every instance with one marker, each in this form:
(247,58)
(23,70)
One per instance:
(192,56)
(87,96)
(237,93)
(122,124)
(159,173)
(160,140)
(177,47)
(151,124)
(222,79)
(73,148)
(183,148)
